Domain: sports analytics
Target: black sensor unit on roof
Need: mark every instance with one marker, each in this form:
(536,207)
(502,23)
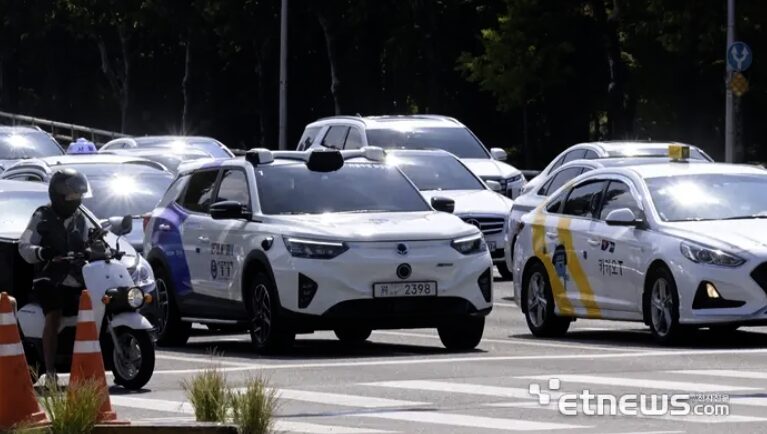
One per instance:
(325,161)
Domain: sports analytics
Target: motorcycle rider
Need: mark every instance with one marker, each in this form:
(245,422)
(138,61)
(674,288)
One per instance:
(54,231)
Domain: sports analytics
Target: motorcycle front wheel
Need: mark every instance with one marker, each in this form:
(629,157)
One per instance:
(132,358)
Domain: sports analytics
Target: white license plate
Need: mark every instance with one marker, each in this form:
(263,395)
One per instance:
(491,245)
(405,289)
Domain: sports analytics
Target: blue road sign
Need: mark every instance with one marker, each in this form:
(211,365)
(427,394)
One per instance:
(739,56)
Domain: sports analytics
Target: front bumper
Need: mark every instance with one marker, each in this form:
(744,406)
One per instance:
(344,285)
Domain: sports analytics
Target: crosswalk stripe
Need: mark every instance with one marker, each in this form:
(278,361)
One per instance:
(279,425)
(475,422)
(728,373)
(344,400)
(641,383)
(448,387)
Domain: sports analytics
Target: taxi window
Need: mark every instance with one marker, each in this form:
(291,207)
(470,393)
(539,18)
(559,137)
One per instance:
(354,139)
(584,199)
(590,155)
(560,179)
(618,195)
(335,137)
(307,138)
(199,194)
(576,154)
(556,204)
(234,186)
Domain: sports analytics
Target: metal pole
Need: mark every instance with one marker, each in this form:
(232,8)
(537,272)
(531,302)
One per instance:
(729,112)
(283,139)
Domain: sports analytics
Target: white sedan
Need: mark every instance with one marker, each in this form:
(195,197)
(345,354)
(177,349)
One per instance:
(674,245)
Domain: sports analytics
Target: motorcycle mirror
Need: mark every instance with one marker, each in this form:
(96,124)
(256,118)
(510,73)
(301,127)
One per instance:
(121,225)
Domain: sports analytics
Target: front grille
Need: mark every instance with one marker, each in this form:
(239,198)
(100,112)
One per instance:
(488,225)
(760,276)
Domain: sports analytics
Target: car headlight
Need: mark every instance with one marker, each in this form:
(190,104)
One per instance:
(142,275)
(135,298)
(470,245)
(705,255)
(314,249)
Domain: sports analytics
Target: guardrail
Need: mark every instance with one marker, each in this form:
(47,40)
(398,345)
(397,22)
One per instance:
(62,131)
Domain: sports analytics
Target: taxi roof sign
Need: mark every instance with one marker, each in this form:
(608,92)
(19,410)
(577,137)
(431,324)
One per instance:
(81,146)
(679,152)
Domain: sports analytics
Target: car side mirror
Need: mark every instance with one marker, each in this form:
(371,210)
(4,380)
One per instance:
(119,225)
(499,154)
(443,204)
(229,210)
(494,185)
(622,217)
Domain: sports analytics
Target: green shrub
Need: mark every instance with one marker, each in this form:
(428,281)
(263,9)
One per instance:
(253,407)
(208,393)
(74,411)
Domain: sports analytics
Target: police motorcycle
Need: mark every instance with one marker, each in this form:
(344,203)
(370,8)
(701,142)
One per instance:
(125,336)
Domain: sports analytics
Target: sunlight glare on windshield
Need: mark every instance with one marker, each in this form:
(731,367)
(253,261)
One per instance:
(688,194)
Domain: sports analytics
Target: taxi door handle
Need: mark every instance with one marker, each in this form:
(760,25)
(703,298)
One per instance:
(203,239)
(551,235)
(594,242)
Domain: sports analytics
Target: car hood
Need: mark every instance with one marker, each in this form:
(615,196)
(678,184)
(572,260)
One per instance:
(393,226)
(487,168)
(730,235)
(474,201)
(4,164)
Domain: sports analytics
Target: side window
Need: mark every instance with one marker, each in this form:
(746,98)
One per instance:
(176,190)
(354,139)
(618,196)
(199,193)
(584,199)
(335,137)
(234,186)
(25,176)
(556,204)
(590,155)
(558,163)
(562,178)
(576,154)
(307,138)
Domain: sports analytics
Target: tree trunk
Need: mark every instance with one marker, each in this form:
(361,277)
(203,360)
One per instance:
(330,46)
(118,81)
(620,109)
(185,83)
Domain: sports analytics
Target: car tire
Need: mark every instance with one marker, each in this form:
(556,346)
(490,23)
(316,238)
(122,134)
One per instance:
(171,331)
(352,335)
(504,271)
(539,306)
(268,333)
(462,335)
(662,300)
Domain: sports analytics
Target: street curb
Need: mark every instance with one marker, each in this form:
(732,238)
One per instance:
(191,428)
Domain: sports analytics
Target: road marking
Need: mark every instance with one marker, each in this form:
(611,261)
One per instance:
(474,422)
(517,341)
(640,383)
(213,360)
(279,425)
(756,375)
(448,387)
(509,305)
(345,400)
(420,360)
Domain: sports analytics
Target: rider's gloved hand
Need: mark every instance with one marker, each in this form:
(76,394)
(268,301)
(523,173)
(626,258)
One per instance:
(47,254)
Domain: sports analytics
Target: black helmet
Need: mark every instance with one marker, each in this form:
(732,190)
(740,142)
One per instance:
(63,183)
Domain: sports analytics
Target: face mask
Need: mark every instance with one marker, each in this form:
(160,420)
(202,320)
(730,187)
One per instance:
(66,208)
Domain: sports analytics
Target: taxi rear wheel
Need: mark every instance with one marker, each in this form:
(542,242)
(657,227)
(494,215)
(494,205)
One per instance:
(663,303)
(267,331)
(539,305)
(463,334)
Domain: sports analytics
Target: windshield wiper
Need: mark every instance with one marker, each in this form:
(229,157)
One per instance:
(747,217)
(360,211)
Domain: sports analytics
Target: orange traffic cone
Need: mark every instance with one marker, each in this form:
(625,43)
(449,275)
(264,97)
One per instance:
(18,404)
(87,363)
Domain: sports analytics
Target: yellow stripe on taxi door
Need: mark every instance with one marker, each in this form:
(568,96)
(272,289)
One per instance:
(539,248)
(576,270)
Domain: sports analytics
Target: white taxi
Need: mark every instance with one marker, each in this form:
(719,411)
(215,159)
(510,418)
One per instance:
(674,245)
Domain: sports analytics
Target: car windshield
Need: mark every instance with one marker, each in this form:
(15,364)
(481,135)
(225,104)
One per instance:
(117,190)
(651,151)
(709,196)
(19,146)
(436,172)
(179,144)
(18,207)
(458,141)
(356,187)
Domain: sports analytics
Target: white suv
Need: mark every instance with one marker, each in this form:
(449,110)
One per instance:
(415,132)
(291,242)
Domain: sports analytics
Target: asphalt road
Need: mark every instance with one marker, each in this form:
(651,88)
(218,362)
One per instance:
(404,381)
